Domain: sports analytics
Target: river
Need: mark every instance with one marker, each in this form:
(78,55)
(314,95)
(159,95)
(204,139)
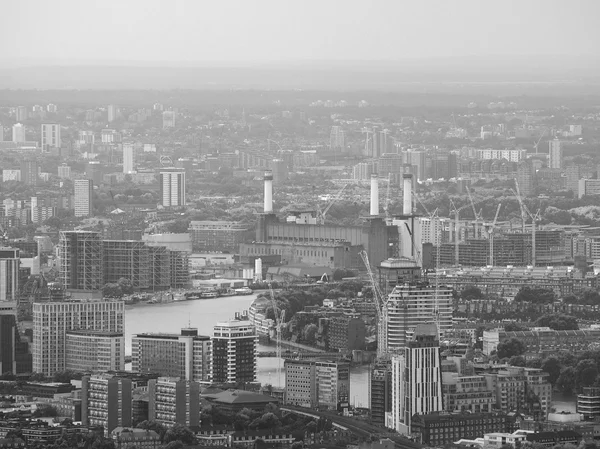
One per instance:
(203,314)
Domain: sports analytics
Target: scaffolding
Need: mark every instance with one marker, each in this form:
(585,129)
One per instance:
(81,260)
(160,267)
(180,269)
(129,259)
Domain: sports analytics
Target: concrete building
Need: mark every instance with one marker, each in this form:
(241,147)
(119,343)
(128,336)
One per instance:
(127,437)
(187,356)
(300,383)
(15,357)
(588,403)
(234,350)
(11,175)
(112,111)
(174,401)
(128,158)
(467,394)
(416,379)
(380,399)
(92,351)
(172,187)
(346,333)
(217,235)
(64,171)
(80,254)
(413,304)
(526,178)
(52,321)
(30,172)
(337,139)
(9,274)
(509,388)
(168,118)
(573,174)
(588,187)
(512,155)
(129,259)
(18,133)
(555,154)
(50,136)
(83,194)
(106,401)
(21,113)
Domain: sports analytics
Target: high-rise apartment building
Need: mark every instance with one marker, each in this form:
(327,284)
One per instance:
(18,133)
(311,383)
(64,171)
(417,378)
(53,320)
(234,349)
(80,254)
(526,178)
(414,303)
(50,136)
(112,111)
(128,158)
(555,154)
(172,187)
(92,351)
(380,397)
(21,113)
(30,172)
(9,274)
(52,108)
(168,119)
(1,133)
(84,190)
(106,400)
(174,401)
(186,356)
(15,357)
(337,139)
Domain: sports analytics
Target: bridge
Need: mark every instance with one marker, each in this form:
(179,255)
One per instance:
(302,354)
(357,427)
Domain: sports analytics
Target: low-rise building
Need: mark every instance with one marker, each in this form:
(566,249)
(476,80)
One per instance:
(126,437)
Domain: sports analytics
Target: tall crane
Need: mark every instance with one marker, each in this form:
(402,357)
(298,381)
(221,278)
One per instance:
(331,203)
(279,318)
(538,141)
(525,213)
(380,307)
(476,216)
(457,212)
(491,234)
(386,206)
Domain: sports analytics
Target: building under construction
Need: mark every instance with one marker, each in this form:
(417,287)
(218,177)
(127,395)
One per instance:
(129,259)
(81,267)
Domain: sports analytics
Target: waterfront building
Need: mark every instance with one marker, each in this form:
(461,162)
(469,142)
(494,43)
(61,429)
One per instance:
(346,333)
(106,401)
(380,397)
(217,235)
(588,403)
(80,254)
(129,259)
(187,356)
(84,190)
(92,351)
(174,401)
(234,351)
(52,321)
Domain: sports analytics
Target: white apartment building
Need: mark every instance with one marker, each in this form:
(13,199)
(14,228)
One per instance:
(172,187)
(512,155)
(94,351)
(234,349)
(83,189)
(50,136)
(128,158)
(555,154)
(9,274)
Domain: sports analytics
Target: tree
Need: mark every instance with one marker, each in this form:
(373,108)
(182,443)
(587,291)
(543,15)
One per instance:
(342,273)
(126,286)
(45,411)
(153,425)
(112,290)
(179,433)
(309,333)
(174,445)
(535,295)
(566,380)
(514,327)
(510,348)
(558,322)
(471,292)
(552,366)
(517,360)
(586,372)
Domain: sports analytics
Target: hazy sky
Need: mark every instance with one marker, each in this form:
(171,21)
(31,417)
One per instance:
(80,31)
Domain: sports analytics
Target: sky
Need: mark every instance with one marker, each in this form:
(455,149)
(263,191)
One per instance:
(197,32)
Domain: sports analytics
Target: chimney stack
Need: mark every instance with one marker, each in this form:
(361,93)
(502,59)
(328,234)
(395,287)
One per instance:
(407,195)
(374,195)
(268,209)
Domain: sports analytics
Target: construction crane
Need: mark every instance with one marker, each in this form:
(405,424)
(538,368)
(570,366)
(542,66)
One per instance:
(538,141)
(457,212)
(380,307)
(476,216)
(386,206)
(491,234)
(525,213)
(279,318)
(331,203)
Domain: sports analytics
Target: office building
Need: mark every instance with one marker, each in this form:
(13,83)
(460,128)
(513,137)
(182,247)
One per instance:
(187,356)
(106,401)
(52,321)
(172,187)
(234,349)
(92,351)
(337,139)
(346,333)
(15,357)
(80,254)
(168,119)
(174,401)
(9,274)
(84,190)
(64,171)
(414,303)
(112,111)
(217,235)
(380,399)
(50,136)
(30,172)
(317,383)
(588,187)
(128,158)
(416,379)
(555,154)
(21,113)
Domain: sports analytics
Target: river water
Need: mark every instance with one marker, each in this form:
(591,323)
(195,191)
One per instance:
(203,314)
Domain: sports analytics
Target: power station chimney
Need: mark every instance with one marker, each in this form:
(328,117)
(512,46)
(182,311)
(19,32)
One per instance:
(374,195)
(407,196)
(268,209)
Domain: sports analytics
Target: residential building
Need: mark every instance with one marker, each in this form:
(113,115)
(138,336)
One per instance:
(380,399)
(21,113)
(414,303)
(64,171)
(537,386)
(363,171)
(84,190)
(11,175)
(509,387)
(573,174)
(441,429)
(92,351)
(512,155)
(526,178)
(80,254)
(555,154)
(174,401)
(588,187)
(129,259)
(50,136)
(15,357)
(218,235)
(172,187)
(467,393)
(52,108)
(416,379)
(30,172)
(52,321)
(128,158)
(9,274)
(106,401)
(317,383)
(18,133)
(128,437)
(168,119)
(346,333)
(187,356)
(234,349)
(588,403)
(337,139)
(112,111)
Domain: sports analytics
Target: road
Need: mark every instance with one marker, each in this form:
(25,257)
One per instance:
(358,427)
